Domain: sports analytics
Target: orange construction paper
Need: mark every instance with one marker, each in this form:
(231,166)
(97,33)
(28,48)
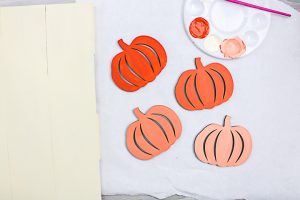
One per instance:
(138,64)
(204,87)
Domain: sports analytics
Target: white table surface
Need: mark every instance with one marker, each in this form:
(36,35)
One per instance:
(265,100)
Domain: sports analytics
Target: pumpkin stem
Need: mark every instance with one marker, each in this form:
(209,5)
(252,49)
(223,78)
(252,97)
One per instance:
(198,63)
(227,120)
(138,113)
(122,44)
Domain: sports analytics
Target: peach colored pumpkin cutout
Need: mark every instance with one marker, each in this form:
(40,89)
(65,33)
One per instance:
(153,132)
(223,146)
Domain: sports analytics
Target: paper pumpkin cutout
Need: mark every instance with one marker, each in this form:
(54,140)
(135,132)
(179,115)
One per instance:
(199,28)
(205,87)
(138,64)
(153,132)
(223,146)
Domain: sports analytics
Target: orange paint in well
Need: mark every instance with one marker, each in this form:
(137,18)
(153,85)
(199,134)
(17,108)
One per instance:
(199,28)
(153,133)
(233,48)
(223,146)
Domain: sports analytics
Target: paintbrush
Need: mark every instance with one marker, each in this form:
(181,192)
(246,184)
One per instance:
(259,7)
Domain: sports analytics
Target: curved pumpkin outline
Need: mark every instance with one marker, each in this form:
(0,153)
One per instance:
(204,87)
(227,155)
(138,64)
(153,133)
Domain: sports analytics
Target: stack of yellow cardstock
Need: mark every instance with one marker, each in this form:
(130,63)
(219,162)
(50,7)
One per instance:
(49,146)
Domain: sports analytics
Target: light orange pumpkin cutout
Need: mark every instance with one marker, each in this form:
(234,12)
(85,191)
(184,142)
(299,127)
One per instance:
(138,64)
(204,87)
(153,132)
(223,146)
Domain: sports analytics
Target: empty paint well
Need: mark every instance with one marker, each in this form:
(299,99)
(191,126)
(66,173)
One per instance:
(223,17)
(195,7)
(251,38)
(259,21)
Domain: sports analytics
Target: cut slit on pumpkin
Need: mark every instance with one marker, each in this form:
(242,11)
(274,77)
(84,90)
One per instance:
(170,122)
(122,77)
(224,85)
(143,134)
(152,51)
(136,74)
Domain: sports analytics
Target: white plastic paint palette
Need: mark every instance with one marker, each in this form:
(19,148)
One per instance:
(226,21)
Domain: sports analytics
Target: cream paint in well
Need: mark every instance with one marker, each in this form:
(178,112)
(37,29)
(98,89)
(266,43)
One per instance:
(212,43)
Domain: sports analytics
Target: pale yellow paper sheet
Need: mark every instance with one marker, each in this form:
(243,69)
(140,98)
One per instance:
(49,145)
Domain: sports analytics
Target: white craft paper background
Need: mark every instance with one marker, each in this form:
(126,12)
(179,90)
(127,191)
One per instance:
(265,100)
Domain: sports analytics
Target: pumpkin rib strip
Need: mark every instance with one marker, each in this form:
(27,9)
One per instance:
(132,69)
(122,77)
(152,50)
(215,145)
(224,93)
(185,93)
(196,89)
(161,128)
(145,58)
(214,84)
(232,148)
(243,143)
(147,138)
(138,146)
(170,122)
(204,143)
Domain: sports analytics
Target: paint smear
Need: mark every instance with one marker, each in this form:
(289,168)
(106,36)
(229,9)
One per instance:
(212,43)
(199,28)
(233,47)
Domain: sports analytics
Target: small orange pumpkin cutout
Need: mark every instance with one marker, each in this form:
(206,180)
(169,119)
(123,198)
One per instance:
(205,87)
(138,64)
(223,146)
(153,132)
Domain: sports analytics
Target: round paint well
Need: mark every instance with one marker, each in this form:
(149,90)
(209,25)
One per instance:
(251,38)
(195,7)
(223,17)
(199,28)
(259,21)
(233,47)
(212,43)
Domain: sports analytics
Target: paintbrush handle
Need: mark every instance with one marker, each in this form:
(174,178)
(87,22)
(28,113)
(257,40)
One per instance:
(259,7)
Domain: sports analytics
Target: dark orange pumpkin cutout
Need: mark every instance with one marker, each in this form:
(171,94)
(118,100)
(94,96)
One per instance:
(153,133)
(138,64)
(205,87)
